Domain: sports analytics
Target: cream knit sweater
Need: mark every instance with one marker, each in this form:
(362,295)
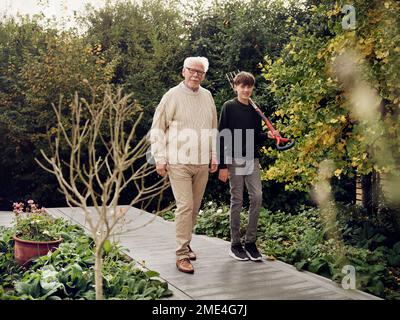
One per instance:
(184,128)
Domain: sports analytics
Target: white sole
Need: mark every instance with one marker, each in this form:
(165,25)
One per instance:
(237,258)
(251,258)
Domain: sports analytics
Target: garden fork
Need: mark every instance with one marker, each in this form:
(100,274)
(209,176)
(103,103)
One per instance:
(281,143)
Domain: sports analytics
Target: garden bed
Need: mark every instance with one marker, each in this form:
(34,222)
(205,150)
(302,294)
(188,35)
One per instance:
(304,240)
(68,272)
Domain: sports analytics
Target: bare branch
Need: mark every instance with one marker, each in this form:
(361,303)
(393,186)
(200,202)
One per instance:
(97,159)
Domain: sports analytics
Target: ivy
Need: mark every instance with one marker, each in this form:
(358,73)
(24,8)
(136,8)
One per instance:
(313,106)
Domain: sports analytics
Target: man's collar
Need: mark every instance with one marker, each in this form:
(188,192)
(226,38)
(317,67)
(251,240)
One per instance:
(190,89)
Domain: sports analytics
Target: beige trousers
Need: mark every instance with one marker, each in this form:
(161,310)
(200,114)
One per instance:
(188,183)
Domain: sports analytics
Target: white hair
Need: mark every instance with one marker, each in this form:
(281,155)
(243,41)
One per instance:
(191,60)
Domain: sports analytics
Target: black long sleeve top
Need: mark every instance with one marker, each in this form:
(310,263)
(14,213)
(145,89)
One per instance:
(240,133)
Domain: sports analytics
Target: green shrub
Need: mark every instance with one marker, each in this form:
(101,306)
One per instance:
(302,240)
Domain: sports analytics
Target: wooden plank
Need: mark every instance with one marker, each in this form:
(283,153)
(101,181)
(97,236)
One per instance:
(6,218)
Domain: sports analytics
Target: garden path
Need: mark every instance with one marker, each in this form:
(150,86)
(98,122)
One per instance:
(151,240)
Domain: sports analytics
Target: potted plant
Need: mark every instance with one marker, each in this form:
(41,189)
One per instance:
(36,232)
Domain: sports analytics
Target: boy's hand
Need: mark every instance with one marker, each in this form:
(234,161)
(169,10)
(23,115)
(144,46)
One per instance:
(223,175)
(273,134)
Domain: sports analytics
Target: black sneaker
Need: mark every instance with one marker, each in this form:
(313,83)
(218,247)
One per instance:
(252,251)
(238,253)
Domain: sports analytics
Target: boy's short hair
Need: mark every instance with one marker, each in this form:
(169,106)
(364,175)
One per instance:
(244,78)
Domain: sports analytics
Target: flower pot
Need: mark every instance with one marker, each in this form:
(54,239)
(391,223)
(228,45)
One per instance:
(25,250)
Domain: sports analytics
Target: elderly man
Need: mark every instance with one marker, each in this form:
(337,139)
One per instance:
(183,145)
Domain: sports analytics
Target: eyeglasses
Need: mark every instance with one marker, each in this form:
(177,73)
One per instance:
(193,71)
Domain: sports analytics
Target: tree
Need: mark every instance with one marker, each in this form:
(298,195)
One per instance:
(37,65)
(236,35)
(146,40)
(99,140)
(314,108)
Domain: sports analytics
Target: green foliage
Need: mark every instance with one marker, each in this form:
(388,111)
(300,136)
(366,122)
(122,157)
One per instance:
(68,272)
(140,47)
(303,240)
(37,66)
(312,249)
(236,35)
(314,107)
(123,281)
(169,215)
(9,269)
(213,221)
(35,224)
(393,255)
(37,227)
(145,41)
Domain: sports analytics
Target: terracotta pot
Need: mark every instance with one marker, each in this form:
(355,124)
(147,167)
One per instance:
(25,251)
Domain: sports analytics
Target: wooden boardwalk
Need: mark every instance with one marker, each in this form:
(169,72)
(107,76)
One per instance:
(6,218)
(151,240)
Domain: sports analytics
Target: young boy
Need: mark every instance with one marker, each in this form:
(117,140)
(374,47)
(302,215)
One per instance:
(240,138)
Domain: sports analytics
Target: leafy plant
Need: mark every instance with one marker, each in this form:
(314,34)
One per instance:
(302,240)
(34,223)
(9,269)
(68,272)
(213,221)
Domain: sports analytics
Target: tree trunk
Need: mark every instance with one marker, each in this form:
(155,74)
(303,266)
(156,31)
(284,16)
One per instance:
(368,191)
(366,184)
(98,273)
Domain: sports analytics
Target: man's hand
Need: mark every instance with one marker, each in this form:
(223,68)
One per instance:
(214,165)
(161,169)
(223,175)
